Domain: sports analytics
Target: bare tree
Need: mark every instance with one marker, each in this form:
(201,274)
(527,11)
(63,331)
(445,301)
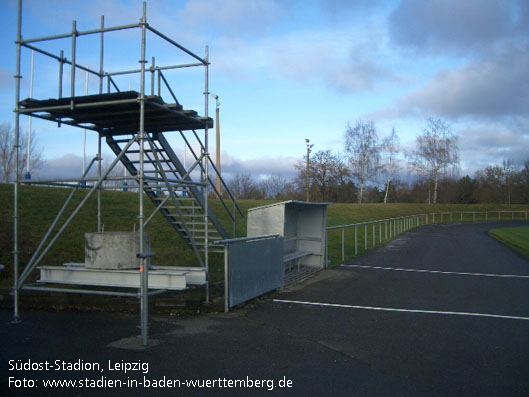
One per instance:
(361,147)
(327,174)
(274,186)
(243,186)
(7,153)
(389,150)
(509,172)
(437,151)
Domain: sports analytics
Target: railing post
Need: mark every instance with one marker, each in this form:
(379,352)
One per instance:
(234,221)
(380,232)
(72,70)
(486,215)
(365,236)
(343,244)
(226,280)
(61,68)
(374,235)
(326,264)
(474,216)
(356,240)
(153,65)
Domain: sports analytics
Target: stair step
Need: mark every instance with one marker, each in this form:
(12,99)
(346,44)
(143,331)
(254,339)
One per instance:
(200,223)
(202,237)
(181,198)
(201,244)
(184,215)
(213,250)
(145,151)
(210,231)
(146,162)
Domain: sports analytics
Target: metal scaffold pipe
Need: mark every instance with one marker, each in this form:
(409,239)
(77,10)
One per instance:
(16,147)
(206,174)
(144,298)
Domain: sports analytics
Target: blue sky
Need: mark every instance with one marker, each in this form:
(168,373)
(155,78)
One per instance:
(290,70)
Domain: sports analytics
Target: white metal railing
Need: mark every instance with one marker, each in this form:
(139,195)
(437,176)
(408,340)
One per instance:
(389,228)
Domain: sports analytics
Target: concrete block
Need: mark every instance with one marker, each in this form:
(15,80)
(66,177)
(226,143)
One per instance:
(114,250)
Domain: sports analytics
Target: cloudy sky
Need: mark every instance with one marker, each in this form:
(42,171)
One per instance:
(290,70)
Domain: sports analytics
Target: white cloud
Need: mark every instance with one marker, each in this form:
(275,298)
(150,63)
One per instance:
(66,166)
(332,57)
(485,145)
(484,89)
(232,17)
(459,27)
(70,165)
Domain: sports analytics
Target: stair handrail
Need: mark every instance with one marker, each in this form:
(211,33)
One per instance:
(211,182)
(221,179)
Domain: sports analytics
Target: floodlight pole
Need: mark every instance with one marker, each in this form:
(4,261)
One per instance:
(309,149)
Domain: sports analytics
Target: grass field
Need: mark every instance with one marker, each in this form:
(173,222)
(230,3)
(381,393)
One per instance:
(38,207)
(516,238)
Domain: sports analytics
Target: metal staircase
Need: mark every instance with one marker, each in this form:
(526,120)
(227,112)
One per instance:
(170,187)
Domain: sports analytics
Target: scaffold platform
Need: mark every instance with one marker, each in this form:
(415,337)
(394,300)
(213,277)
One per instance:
(115,113)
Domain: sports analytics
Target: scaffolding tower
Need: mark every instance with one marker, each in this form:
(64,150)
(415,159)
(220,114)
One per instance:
(133,124)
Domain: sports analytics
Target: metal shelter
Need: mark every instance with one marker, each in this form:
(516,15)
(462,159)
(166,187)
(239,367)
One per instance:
(133,124)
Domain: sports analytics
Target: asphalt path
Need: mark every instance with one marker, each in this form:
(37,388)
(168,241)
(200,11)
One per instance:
(430,313)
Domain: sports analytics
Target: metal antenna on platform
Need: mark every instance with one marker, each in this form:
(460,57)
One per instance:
(217,129)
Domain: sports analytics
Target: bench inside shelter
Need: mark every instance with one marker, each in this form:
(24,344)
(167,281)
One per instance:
(302,226)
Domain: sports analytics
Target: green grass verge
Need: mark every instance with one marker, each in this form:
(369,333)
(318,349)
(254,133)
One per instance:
(516,238)
(38,207)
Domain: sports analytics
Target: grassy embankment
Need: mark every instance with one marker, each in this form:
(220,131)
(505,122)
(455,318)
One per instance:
(39,206)
(516,238)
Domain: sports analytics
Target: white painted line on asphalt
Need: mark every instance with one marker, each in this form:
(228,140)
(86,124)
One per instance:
(399,269)
(391,309)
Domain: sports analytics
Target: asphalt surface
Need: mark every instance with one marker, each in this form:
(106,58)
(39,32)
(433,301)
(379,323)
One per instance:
(443,340)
